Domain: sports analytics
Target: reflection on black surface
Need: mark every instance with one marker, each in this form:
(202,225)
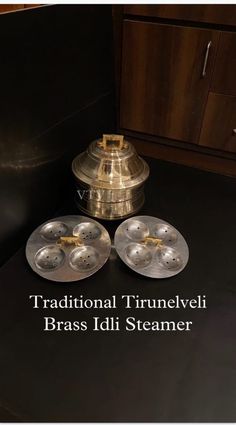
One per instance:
(56,96)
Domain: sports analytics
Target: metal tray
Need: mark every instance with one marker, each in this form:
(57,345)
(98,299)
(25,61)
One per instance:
(63,262)
(151,247)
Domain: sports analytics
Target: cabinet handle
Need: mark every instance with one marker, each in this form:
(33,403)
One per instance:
(206,59)
(234,131)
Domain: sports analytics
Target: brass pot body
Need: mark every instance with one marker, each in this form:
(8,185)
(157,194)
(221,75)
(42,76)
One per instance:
(110,179)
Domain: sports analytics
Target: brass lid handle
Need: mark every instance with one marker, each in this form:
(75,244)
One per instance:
(112,141)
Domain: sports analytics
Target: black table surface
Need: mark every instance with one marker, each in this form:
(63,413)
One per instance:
(132,376)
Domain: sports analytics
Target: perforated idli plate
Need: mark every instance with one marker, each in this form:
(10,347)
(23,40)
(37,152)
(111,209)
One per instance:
(165,260)
(68,263)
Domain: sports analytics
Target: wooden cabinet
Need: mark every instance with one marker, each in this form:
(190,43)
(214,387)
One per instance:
(163,89)
(10,7)
(177,85)
(219,123)
(224,77)
(14,7)
(216,132)
(205,13)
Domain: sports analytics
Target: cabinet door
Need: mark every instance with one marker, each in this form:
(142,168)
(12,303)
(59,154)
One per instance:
(224,80)
(163,90)
(219,124)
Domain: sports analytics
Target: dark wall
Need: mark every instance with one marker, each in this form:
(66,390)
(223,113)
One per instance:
(57,94)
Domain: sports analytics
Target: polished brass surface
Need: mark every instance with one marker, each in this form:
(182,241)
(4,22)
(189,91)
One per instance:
(152,240)
(109,141)
(81,251)
(69,240)
(138,246)
(110,178)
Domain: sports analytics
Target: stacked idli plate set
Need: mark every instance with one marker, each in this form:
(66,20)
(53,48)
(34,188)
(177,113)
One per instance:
(109,178)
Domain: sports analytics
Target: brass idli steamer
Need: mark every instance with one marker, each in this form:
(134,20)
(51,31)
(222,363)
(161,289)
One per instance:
(110,178)
(68,248)
(151,247)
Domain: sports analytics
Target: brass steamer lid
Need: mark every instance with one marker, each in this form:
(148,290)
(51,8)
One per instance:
(110,163)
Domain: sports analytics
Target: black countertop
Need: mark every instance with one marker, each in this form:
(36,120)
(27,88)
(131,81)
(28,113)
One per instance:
(132,376)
